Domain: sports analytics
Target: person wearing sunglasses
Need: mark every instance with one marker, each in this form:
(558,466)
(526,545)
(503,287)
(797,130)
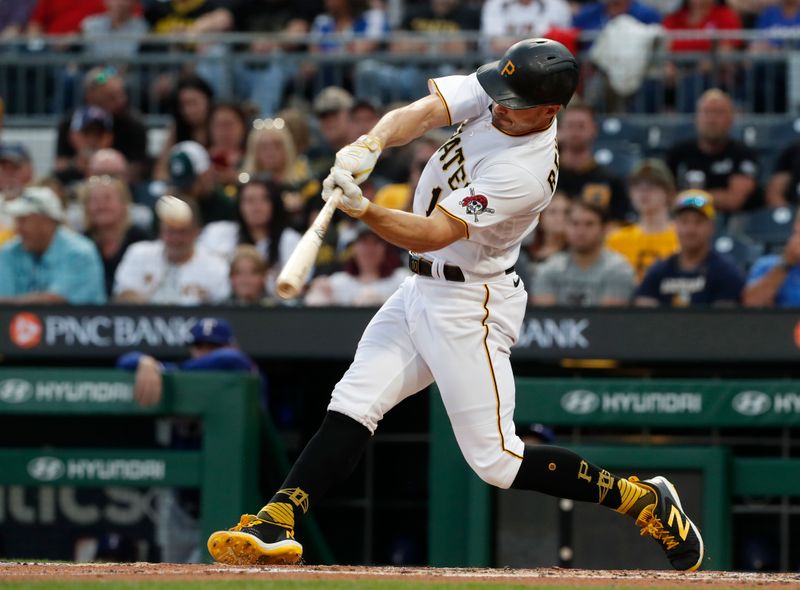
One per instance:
(696,275)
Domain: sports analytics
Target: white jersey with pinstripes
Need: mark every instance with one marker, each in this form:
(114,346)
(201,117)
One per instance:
(494,183)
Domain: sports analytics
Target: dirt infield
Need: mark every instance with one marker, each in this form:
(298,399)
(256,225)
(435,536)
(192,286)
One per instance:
(539,577)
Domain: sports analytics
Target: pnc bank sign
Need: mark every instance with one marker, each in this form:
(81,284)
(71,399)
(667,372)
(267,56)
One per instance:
(29,330)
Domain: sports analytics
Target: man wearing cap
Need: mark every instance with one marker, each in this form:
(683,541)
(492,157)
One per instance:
(46,262)
(91,130)
(212,347)
(697,275)
(774,280)
(651,188)
(104,87)
(332,108)
(16,173)
(172,270)
(191,180)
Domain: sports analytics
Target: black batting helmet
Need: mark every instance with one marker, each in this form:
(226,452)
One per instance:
(531,73)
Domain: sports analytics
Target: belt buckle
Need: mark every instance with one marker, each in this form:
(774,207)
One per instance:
(413,264)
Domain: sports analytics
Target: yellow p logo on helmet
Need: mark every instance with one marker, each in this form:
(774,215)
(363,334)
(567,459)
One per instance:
(508,69)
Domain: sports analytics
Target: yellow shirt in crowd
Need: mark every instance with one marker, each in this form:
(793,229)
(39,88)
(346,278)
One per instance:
(641,249)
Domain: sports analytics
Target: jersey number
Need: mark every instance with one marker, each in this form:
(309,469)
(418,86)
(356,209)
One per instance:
(435,194)
(552,177)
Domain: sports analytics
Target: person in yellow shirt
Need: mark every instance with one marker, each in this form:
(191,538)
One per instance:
(652,189)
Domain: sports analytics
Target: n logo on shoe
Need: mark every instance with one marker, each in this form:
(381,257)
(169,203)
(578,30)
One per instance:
(683,522)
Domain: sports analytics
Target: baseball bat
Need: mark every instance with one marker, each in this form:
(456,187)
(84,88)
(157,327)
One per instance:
(293,276)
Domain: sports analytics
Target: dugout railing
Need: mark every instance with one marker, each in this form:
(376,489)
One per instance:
(656,417)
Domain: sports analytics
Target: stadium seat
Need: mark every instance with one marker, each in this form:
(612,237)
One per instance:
(768,227)
(769,135)
(741,249)
(619,157)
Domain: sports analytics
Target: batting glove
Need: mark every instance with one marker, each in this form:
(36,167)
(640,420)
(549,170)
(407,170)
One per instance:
(359,157)
(353,202)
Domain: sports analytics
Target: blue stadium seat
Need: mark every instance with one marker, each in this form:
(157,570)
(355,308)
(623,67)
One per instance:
(768,227)
(618,156)
(769,135)
(741,249)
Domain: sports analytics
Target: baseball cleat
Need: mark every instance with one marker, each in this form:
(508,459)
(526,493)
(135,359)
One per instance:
(668,524)
(255,542)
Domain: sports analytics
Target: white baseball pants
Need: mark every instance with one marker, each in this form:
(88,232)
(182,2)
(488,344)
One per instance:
(459,335)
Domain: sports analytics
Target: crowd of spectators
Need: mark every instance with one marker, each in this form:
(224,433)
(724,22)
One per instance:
(250,169)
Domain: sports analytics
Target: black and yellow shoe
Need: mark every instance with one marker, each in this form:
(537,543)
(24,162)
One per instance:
(255,542)
(668,524)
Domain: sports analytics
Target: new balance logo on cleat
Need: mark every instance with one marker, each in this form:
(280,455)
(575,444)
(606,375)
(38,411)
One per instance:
(255,542)
(667,523)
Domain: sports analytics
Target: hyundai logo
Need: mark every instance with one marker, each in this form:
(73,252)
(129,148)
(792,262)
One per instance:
(46,468)
(580,401)
(15,391)
(752,403)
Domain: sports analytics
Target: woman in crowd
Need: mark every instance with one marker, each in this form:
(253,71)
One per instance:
(370,277)
(106,202)
(228,127)
(192,103)
(249,277)
(261,222)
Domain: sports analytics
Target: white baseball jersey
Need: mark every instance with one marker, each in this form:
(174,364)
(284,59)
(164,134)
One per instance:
(496,184)
(145,270)
(460,334)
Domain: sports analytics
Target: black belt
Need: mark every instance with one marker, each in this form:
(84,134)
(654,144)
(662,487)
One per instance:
(424,268)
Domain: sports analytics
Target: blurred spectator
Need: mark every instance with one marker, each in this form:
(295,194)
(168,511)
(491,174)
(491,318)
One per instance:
(770,77)
(191,177)
(191,106)
(580,176)
(172,270)
(363,25)
(370,277)
(689,82)
(249,277)
(595,15)
(400,196)
(61,17)
(713,160)
(91,130)
(505,22)
(783,15)
(105,88)
(271,151)
(332,108)
(364,115)
(196,16)
(664,7)
(587,274)
(260,221)
(212,347)
(46,262)
(16,170)
(106,203)
(783,187)
(652,189)
(118,19)
(109,162)
(228,128)
(14,17)
(394,162)
(441,22)
(775,280)
(549,238)
(696,275)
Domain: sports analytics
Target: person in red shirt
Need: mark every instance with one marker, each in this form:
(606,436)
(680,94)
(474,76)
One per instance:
(688,80)
(62,17)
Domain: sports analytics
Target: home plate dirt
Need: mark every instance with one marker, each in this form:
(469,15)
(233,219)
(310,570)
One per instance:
(544,576)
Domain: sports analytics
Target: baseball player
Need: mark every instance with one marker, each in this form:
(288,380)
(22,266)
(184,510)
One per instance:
(455,320)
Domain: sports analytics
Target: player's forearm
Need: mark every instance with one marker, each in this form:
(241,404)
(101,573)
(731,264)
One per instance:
(761,293)
(410,231)
(400,126)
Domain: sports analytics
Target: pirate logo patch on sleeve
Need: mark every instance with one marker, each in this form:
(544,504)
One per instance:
(476,204)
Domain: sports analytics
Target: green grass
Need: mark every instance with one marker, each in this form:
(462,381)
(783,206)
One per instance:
(345,584)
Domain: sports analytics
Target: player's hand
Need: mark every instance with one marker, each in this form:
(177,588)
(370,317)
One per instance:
(148,386)
(359,157)
(353,202)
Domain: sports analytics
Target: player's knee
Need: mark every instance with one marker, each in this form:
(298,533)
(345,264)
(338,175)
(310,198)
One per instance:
(497,471)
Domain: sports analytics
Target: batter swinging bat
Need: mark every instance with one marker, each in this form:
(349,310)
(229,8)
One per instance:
(294,273)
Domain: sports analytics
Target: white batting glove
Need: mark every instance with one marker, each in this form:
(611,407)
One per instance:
(353,202)
(359,157)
